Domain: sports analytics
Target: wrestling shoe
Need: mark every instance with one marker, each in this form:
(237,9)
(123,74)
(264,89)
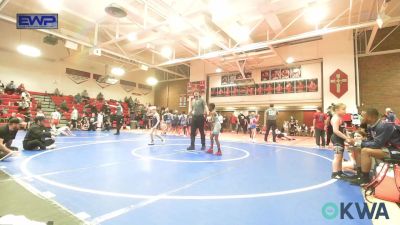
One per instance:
(190,148)
(218,153)
(151,143)
(53,146)
(210,151)
(360,181)
(203,147)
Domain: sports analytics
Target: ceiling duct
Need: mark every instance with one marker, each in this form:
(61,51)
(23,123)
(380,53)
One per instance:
(115,10)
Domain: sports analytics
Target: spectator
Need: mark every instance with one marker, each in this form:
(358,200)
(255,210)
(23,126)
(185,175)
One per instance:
(385,142)
(11,88)
(8,132)
(320,122)
(106,109)
(23,105)
(234,121)
(85,94)
(100,97)
(40,113)
(78,98)
(74,117)
(64,106)
(57,92)
(26,95)
(93,122)
(21,88)
(1,87)
(38,137)
(39,106)
(390,116)
(55,119)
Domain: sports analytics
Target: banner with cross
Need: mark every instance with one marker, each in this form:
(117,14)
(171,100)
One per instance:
(338,83)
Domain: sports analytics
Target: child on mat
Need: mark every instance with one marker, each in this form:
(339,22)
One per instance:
(282,135)
(215,125)
(154,125)
(338,139)
(253,127)
(355,153)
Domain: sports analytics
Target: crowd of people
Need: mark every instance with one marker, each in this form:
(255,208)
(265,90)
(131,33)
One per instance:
(367,136)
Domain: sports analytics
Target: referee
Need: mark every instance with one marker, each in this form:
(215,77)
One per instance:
(199,109)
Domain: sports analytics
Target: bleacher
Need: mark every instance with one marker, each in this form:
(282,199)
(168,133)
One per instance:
(10,104)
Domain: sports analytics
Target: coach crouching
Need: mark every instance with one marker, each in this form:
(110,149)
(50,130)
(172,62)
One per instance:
(38,136)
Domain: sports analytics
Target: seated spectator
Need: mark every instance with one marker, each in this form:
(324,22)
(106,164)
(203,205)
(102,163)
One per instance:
(93,122)
(85,94)
(38,137)
(57,92)
(64,106)
(23,105)
(2,87)
(78,98)
(100,97)
(390,116)
(8,132)
(40,113)
(384,142)
(26,95)
(21,88)
(11,88)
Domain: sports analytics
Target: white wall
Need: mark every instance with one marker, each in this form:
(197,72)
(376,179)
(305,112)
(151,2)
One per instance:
(338,53)
(308,71)
(43,75)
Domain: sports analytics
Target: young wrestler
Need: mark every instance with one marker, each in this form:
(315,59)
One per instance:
(338,139)
(215,125)
(154,125)
(354,163)
(283,135)
(253,126)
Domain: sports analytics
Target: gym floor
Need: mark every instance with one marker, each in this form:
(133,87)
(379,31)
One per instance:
(105,179)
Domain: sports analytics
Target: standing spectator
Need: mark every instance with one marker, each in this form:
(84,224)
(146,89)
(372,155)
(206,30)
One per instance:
(38,137)
(241,124)
(100,96)
(320,122)
(272,114)
(100,119)
(74,117)
(199,109)
(106,109)
(78,98)
(329,128)
(119,117)
(10,88)
(56,92)
(85,94)
(234,122)
(55,119)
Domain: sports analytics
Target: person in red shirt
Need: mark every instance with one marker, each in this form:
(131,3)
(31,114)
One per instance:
(312,86)
(300,86)
(228,91)
(235,91)
(234,122)
(279,88)
(289,87)
(269,89)
(320,122)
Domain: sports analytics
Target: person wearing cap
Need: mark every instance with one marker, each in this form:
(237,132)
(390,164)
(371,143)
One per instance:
(199,109)
(390,116)
(7,135)
(38,136)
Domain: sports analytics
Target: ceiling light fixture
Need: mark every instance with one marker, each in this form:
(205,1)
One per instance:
(29,50)
(315,13)
(132,36)
(290,60)
(151,81)
(53,5)
(117,71)
(166,51)
(381,19)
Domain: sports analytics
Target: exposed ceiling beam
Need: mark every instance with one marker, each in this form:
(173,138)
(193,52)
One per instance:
(375,29)
(117,55)
(383,39)
(3,4)
(265,44)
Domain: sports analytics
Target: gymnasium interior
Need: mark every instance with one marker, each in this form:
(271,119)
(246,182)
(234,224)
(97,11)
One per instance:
(201,112)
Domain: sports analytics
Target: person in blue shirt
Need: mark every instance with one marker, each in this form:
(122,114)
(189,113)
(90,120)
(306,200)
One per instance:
(383,143)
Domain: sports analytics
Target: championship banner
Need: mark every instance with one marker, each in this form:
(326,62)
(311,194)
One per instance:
(100,80)
(197,85)
(77,76)
(128,86)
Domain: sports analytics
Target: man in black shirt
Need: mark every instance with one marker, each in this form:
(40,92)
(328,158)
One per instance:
(38,136)
(7,135)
